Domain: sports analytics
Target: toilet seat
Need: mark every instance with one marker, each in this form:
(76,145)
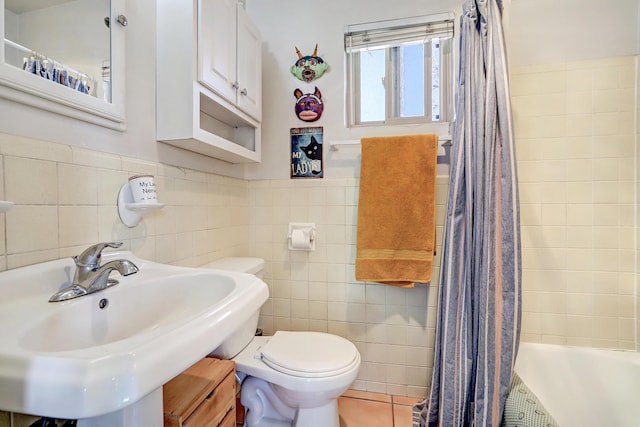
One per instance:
(309,354)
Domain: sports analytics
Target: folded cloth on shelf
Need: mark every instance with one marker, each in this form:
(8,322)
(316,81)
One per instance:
(396,209)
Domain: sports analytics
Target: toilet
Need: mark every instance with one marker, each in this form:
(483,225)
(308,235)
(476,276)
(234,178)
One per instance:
(290,378)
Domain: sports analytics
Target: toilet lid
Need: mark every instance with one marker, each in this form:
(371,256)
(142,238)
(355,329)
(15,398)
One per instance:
(309,354)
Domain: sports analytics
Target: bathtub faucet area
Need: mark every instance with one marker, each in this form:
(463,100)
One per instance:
(90,276)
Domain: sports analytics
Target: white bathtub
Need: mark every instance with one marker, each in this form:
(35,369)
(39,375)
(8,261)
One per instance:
(583,387)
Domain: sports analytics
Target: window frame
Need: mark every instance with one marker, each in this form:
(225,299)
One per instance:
(392,107)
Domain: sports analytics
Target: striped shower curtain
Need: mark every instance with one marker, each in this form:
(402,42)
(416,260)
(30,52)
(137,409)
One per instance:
(479,303)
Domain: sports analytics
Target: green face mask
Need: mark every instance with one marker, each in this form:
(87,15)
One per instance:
(310,67)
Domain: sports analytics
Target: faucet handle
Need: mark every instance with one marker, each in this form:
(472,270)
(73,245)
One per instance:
(90,257)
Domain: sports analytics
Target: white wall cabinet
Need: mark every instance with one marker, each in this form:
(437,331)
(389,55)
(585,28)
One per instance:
(229,54)
(209,79)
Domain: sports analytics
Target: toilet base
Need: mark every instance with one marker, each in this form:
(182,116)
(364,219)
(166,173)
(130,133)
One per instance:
(265,409)
(322,416)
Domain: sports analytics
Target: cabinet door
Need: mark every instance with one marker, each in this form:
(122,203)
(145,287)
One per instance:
(217,46)
(249,66)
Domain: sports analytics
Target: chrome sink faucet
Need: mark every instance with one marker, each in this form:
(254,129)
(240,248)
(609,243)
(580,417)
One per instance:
(92,277)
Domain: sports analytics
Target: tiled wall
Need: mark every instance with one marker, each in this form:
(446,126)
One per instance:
(637,97)
(8,419)
(393,328)
(65,200)
(576,149)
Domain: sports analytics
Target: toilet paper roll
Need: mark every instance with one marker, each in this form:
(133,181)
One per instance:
(300,239)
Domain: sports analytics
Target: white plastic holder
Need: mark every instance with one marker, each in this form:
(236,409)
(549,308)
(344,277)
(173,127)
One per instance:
(5,206)
(309,229)
(131,213)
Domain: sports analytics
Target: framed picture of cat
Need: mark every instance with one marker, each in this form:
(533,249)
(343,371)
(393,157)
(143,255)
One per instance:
(306,152)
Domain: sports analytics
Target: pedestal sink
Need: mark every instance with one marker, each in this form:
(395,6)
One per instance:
(102,358)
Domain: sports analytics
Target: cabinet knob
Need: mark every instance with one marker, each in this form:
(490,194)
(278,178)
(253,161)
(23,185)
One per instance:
(123,20)
(235,85)
(243,92)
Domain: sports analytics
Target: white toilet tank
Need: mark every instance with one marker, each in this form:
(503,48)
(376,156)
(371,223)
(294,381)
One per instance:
(245,333)
(249,265)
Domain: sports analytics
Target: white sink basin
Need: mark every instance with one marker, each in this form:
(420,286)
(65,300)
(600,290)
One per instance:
(130,311)
(75,360)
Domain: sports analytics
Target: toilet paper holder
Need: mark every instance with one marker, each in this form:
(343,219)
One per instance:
(302,229)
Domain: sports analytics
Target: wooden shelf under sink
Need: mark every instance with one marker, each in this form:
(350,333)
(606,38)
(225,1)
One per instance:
(203,395)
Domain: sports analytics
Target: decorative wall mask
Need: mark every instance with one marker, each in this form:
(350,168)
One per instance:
(310,67)
(309,106)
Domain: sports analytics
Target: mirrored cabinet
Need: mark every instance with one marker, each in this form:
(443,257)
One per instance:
(65,57)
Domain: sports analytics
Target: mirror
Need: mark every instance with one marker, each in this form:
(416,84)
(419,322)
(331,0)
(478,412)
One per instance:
(77,57)
(68,52)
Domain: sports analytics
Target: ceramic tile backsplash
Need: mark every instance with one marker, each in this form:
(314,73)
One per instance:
(66,200)
(393,328)
(8,419)
(30,181)
(636,277)
(576,147)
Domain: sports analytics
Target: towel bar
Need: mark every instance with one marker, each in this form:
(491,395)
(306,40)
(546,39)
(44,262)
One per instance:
(444,141)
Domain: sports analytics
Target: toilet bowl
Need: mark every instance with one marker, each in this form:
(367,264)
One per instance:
(290,378)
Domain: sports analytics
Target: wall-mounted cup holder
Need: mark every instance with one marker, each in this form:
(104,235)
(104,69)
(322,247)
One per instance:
(131,212)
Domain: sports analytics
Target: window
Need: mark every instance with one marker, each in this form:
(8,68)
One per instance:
(400,71)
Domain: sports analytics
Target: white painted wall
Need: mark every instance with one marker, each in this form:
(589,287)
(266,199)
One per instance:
(285,24)
(544,31)
(540,31)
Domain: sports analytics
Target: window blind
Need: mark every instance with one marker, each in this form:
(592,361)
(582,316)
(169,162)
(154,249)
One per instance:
(384,34)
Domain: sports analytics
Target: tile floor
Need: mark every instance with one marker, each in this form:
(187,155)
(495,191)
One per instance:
(356,408)
(365,409)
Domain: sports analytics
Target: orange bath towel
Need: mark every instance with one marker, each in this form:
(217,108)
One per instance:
(396,209)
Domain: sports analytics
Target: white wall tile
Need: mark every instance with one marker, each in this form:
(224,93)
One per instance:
(30,182)
(31,228)
(78,225)
(600,195)
(77,185)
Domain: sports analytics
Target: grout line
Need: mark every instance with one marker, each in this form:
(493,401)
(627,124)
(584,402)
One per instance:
(367,399)
(635,208)
(393,400)
(393,414)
